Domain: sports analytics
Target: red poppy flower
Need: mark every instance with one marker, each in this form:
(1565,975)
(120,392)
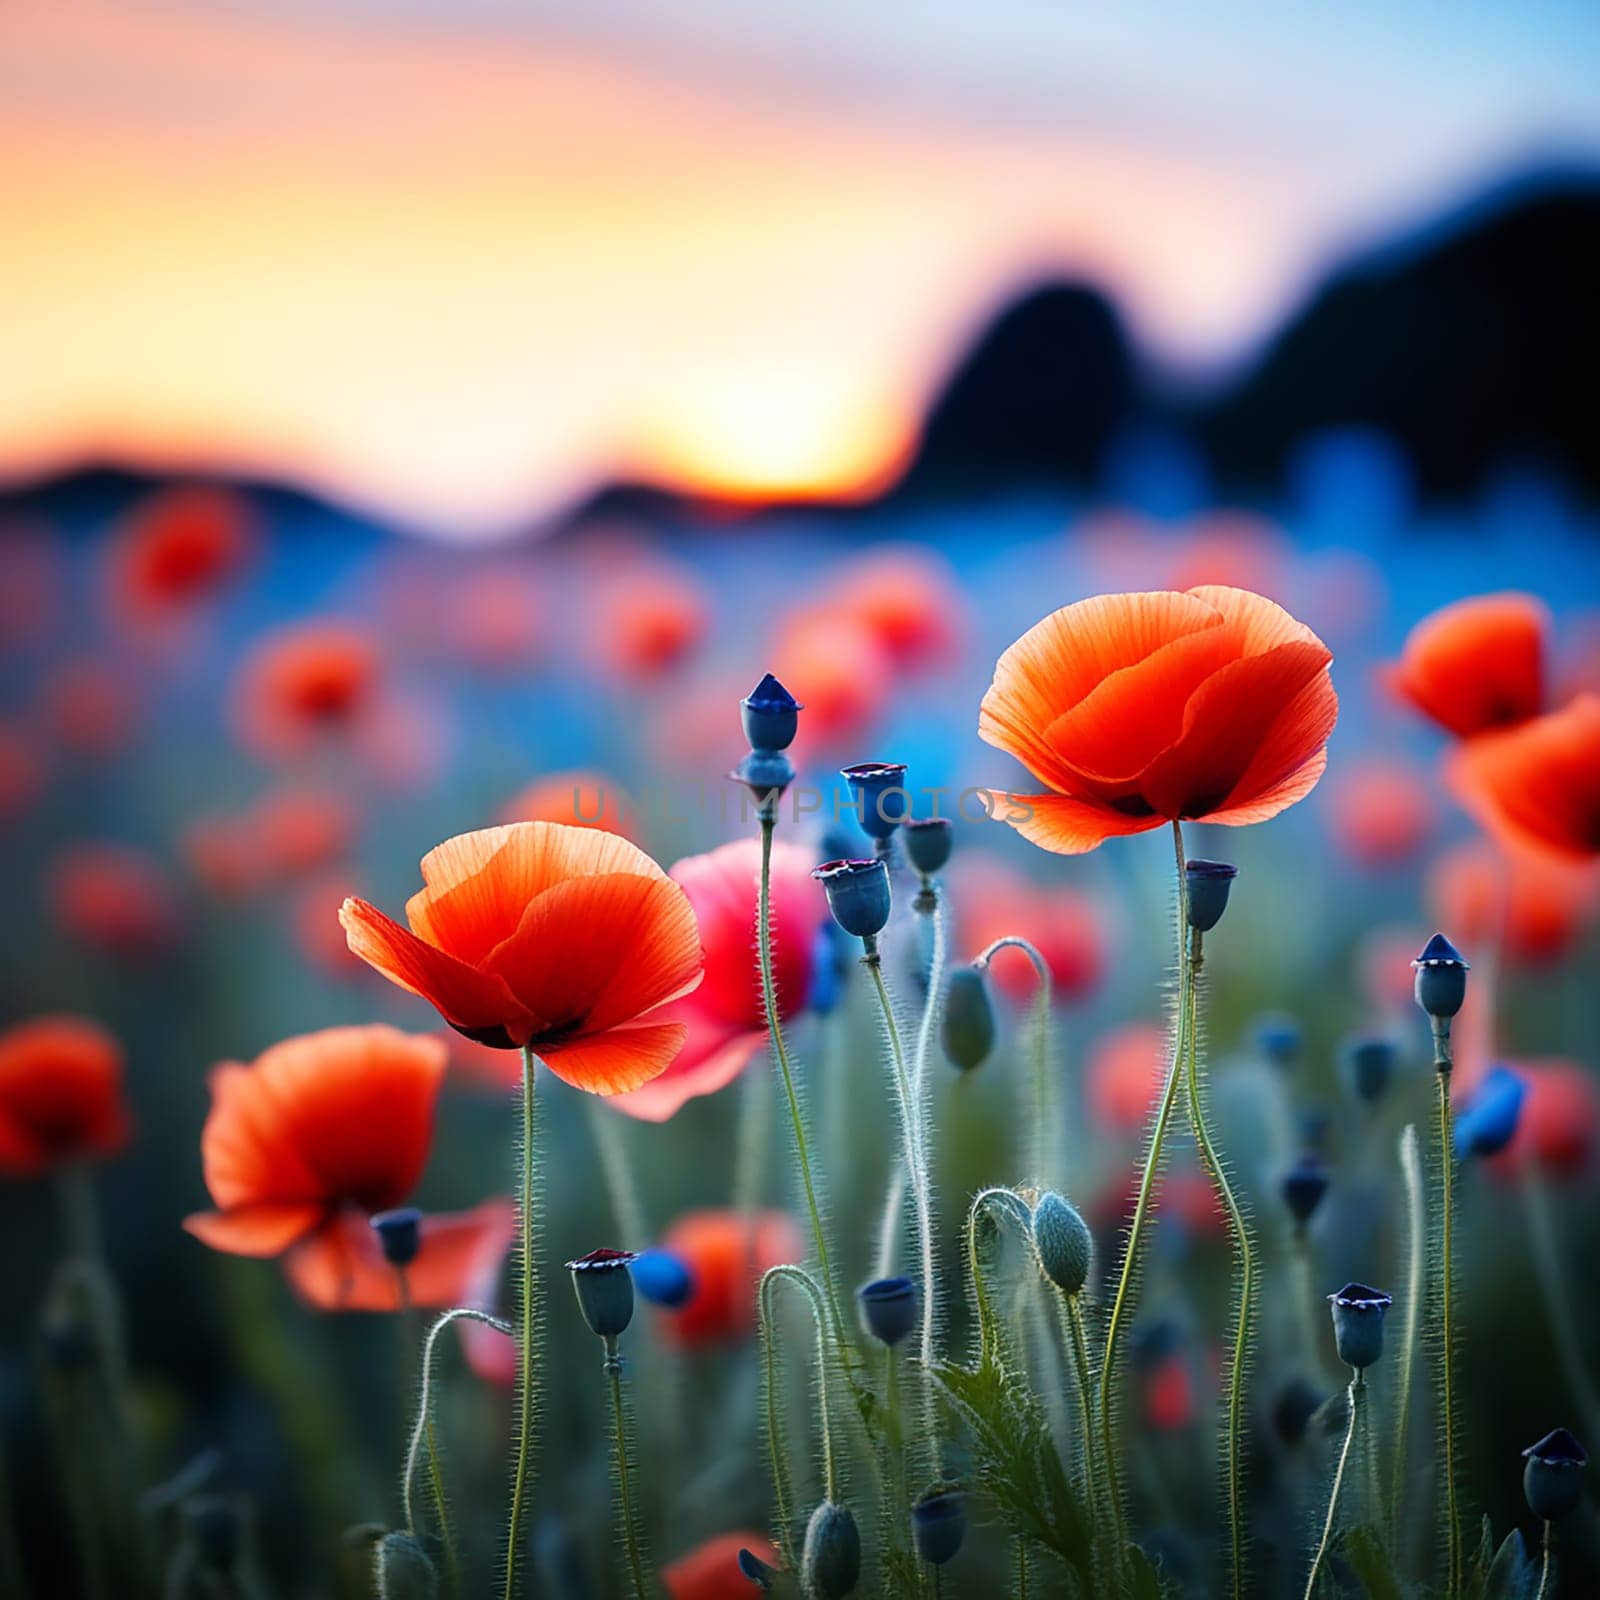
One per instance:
(492,1355)
(89,708)
(840,672)
(1067,928)
(60,1095)
(304,686)
(1139,709)
(494,619)
(1559,1122)
(906,597)
(1538,786)
(724,1016)
(711,1571)
(567,940)
(726,1257)
(115,898)
(1477,664)
(1169,1401)
(650,621)
(583,799)
(1381,812)
(178,548)
(1124,1074)
(1534,907)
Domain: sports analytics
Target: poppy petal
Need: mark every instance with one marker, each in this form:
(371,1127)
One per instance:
(247,1147)
(1256,623)
(258,1230)
(1303,725)
(619,1059)
(1477,664)
(1279,797)
(711,1059)
(1068,827)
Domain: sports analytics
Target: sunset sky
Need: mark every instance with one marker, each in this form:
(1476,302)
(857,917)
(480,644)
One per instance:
(453,261)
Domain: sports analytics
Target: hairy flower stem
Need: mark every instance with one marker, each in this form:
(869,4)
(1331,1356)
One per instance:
(527,1310)
(1070,1308)
(1042,1113)
(619,1424)
(1358,1390)
(1416,1255)
(1442,1063)
(1544,1564)
(777,1455)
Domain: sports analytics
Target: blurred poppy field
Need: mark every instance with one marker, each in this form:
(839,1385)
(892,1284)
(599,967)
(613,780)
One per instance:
(1019,1023)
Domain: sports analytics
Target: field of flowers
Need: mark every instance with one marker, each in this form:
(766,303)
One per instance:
(996,1051)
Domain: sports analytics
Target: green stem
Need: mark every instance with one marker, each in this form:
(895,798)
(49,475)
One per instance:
(528,1317)
(622,1191)
(1544,1564)
(1022,1570)
(804,1282)
(1358,1386)
(1071,1308)
(619,1422)
(1447,1315)
(1042,1113)
(1416,1253)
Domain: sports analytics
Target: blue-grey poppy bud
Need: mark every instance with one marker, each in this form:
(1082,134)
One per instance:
(400,1233)
(1064,1243)
(770,715)
(751,1566)
(1358,1314)
(1279,1038)
(967,1028)
(1553,1477)
(928,842)
(858,895)
(404,1569)
(888,1308)
(662,1278)
(1208,884)
(1304,1185)
(879,791)
(1368,1061)
(1292,1411)
(764,773)
(1488,1121)
(939,1525)
(830,1565)
(1441,983)
(605,1290)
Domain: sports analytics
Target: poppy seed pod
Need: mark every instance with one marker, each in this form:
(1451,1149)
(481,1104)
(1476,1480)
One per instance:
(879,791)
(888,1308)
(1304,1185)
(400,1233)
(939,1525)
(770,715)
(1488,1122)
(764,773)
(662,1278)
(1358,1323)
(928,843)
(858,895)
(830,1564)
(604,1287)
(404,1570)
(1064,1243)
(967,1029)
(1368,1061)
(1208,883)
(1553,1477)
(1441,978)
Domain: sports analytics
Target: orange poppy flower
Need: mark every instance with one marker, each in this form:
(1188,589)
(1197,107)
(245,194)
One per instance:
(1534,907)
(116,898)
(306,685)
(1124,1074)
(583,799)
(178,548)
(1065,927)
(711,1571)
(567,940)
(726,1257)
(724,1016)
(1140,709)
(60,1094)
(1380,812)
(1477,664)
(1538,785)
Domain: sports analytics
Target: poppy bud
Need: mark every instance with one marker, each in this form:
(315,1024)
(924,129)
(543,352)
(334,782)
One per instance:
(1064,1243)
(215,1530)
(1304,1185)
(858,895)
(400,1233)
(1368,1065)
(662,1278)
(939,1525)
(756,1570)
(605,1290)
(1441,978)
(888,1308)
(968,1027)
(770,715)
(830,1564)
(764,773)
(1278,1037)
(879,790)
(1488,1122)
(404,1570)
(928,843)
(1553,1477)
(1292,1411)
(1358,1323)
(1208,885)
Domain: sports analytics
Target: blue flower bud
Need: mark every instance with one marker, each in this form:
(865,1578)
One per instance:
(662,1278)
(1304,1185)
(1208,885)
(830,967)
(400,1233)
(1441,978)
(764,773)
(1358,1323)
(770,715)
(1279,1038)
(404,1570)
(888,1308)
(939,1525)
(858,895)
(928,843)
(879,790)
(967,1028)
(1064,1243)
(1553,1477)
(830,1565)
(1368,1061)
(604,1287)
(757,1571)
(1488,1121)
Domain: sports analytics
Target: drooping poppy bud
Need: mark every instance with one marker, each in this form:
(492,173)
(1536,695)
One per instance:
(939,1525)
(1208,883)
(1064,1243)
(879,791)
(858,895)
(404,1569)
(770,715)
(1368,1062)
(830,1564)
(889,1308)
(1553,1477)
(662,1278)
(604,1287)
(1441,983)
(928,843)
(400,1233)
(1304,1185)
(1358,1314)
(1488,1122)
(968,1027)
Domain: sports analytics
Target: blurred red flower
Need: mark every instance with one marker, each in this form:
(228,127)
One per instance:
(1136,709)
(1387,976)
(177,549)
(583,799)
(711,1570)
(906,598)
(726,1254)
(298,830)
(1381,812)
(1559,1122)
(60,1094)
(1535,907)
(1234,549)
(840,672)
(1124,1074)
(1066,927)
(650,620)
(304,686)
(495,619)
(1477,664)
(32,578)
(22,771)
(89,707)
(314,926)
(567,940)
(116,898)
(1169,1393)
